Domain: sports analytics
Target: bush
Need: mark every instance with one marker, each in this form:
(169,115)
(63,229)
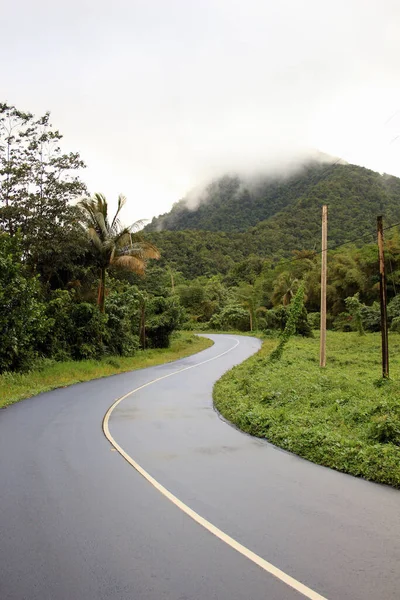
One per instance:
(343,322)
(122,309)
(165,315)
(371,317)
(23,322)
(393,309)
(232,316)
(78,328)
(88,331)
(395,326)
(276,318)
(314,320)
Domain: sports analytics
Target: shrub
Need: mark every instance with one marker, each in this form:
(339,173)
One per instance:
(78,328)
(122,321)
(277,318)
(314,320)
(354,306)
(371,317)
(232,316)
(23,322)
(393,309)
(395,326)
(163,316)
(343,322)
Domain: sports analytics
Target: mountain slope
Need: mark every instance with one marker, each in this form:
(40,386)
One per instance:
(232,203)
(355,197)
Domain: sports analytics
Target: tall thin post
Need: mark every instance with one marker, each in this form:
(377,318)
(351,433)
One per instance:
(324,248)
(383,299)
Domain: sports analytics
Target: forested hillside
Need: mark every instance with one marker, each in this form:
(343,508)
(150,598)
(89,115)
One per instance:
(355,196)
(234,203)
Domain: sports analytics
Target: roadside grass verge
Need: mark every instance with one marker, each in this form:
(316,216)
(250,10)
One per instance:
(344,416)
(50,374)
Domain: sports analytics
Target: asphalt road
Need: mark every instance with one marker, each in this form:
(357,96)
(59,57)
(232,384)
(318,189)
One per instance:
(77,522)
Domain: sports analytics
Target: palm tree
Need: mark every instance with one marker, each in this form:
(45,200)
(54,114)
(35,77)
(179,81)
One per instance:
(115,245)
(285,288)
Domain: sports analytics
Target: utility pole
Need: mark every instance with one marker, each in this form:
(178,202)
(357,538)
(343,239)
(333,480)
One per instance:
(324,248)
(383,299)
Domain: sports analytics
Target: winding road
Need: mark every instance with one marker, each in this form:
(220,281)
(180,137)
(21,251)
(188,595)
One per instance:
(157,498)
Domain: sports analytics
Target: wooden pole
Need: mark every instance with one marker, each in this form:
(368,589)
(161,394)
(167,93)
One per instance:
(324,248)
(383,299)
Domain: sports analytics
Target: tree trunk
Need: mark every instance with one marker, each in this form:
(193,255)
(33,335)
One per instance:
(102,286)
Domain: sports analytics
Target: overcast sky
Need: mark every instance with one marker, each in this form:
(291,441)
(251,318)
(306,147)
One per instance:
(159,95)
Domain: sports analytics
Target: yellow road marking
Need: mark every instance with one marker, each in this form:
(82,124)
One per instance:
(255,558)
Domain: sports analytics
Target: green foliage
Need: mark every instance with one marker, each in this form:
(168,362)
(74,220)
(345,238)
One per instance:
(37,183)
(314,320)
(295,312)
(395,326)
(232,316)
(280,216)
(164,315)
(113,244)
(343,322)
(77,331)
(393,309)
(23,323)
(371,317)
(338,417)
(122,309)
(385,426)
(353,306)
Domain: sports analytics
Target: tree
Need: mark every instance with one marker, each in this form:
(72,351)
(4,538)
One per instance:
(285,289)
(37,184)
(113,244)
(249,298)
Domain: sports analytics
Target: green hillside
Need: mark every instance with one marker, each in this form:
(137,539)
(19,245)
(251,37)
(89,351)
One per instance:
(355,197)
(232,203)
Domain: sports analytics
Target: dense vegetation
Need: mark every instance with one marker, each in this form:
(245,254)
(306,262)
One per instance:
(235,204)
(345,418)
(76,283)
(62,295)
(293,209)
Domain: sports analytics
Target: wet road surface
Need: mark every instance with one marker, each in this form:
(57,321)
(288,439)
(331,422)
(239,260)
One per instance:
(78,522)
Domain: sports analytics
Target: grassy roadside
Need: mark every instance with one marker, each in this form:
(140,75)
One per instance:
(343,417)
(51,375)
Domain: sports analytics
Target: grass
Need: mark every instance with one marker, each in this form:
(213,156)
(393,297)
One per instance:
(344,416)
(51,374)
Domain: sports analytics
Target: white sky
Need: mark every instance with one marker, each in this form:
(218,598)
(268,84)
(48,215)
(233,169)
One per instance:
(159,95)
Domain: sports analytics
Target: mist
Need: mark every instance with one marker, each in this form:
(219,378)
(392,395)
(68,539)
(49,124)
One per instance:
(161,97)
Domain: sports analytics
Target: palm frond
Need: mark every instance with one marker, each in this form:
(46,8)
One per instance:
(130,263)
(113,241)
(124,239)
(94,238)
(145,250)
(121,204)
(138,225)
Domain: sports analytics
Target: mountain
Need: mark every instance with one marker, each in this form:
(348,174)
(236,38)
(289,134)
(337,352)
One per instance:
(235,203)
(271,217)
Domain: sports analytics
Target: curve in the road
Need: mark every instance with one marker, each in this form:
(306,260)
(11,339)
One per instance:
(255,558)
(78,522)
